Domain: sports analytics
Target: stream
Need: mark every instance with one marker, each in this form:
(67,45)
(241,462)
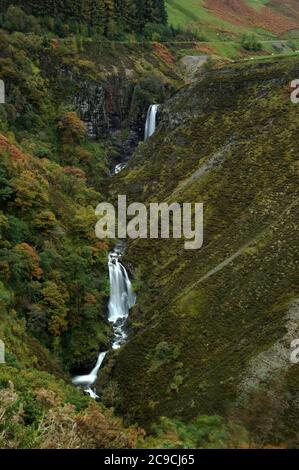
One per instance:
(122,297)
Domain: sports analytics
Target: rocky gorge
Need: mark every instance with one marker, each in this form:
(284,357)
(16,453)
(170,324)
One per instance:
(202,358)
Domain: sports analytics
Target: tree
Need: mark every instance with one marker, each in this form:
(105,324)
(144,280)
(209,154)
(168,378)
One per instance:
(5,298)
(251,43)
(30,190)
(109,24)
(100,16)
(160,13)
(97,18)
(54,299)
(30,261)
(5,188)
(72,128)
(3,224)
(45,220)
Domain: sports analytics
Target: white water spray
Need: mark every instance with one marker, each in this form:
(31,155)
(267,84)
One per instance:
(118,168)
(86,381)
(122,298)
(150,125)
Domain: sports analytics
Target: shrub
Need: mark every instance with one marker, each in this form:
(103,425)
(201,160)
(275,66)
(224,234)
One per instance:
(249,42)
(202,432)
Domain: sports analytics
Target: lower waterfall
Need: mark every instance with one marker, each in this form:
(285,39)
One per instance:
(119,167)
(86,381)
(122,299)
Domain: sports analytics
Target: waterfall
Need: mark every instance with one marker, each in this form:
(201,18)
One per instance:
(119,167)
(122,298)
(150,125)
(86,381)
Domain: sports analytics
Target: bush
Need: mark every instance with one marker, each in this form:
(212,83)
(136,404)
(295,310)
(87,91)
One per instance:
(158,32)
(38,411)
(204,432)
(16,20)
(149,90)
(250,42)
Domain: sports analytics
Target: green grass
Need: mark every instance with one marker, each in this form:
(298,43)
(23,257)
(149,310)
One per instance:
(258,4)
(219,35)
(193,14)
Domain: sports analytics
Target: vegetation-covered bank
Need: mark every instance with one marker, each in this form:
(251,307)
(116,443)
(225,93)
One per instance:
(41,412)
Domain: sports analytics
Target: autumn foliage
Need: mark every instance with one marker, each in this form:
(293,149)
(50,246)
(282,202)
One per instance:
(71,127)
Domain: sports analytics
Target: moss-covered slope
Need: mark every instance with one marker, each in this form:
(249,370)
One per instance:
(231,142)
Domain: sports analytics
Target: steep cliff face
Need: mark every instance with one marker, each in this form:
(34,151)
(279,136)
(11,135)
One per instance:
(207,320)
(110,86)
(103,103)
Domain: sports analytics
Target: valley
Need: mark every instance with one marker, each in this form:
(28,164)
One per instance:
(180,341)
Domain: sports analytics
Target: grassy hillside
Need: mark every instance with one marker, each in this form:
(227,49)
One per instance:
(221,24)
(234,17)
(211,325)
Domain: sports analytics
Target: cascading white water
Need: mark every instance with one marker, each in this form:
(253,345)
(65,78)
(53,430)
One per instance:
(122,298)
(150,125)
(118,168)
(86,381)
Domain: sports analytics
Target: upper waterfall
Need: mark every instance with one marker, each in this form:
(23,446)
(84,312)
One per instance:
(150,125)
